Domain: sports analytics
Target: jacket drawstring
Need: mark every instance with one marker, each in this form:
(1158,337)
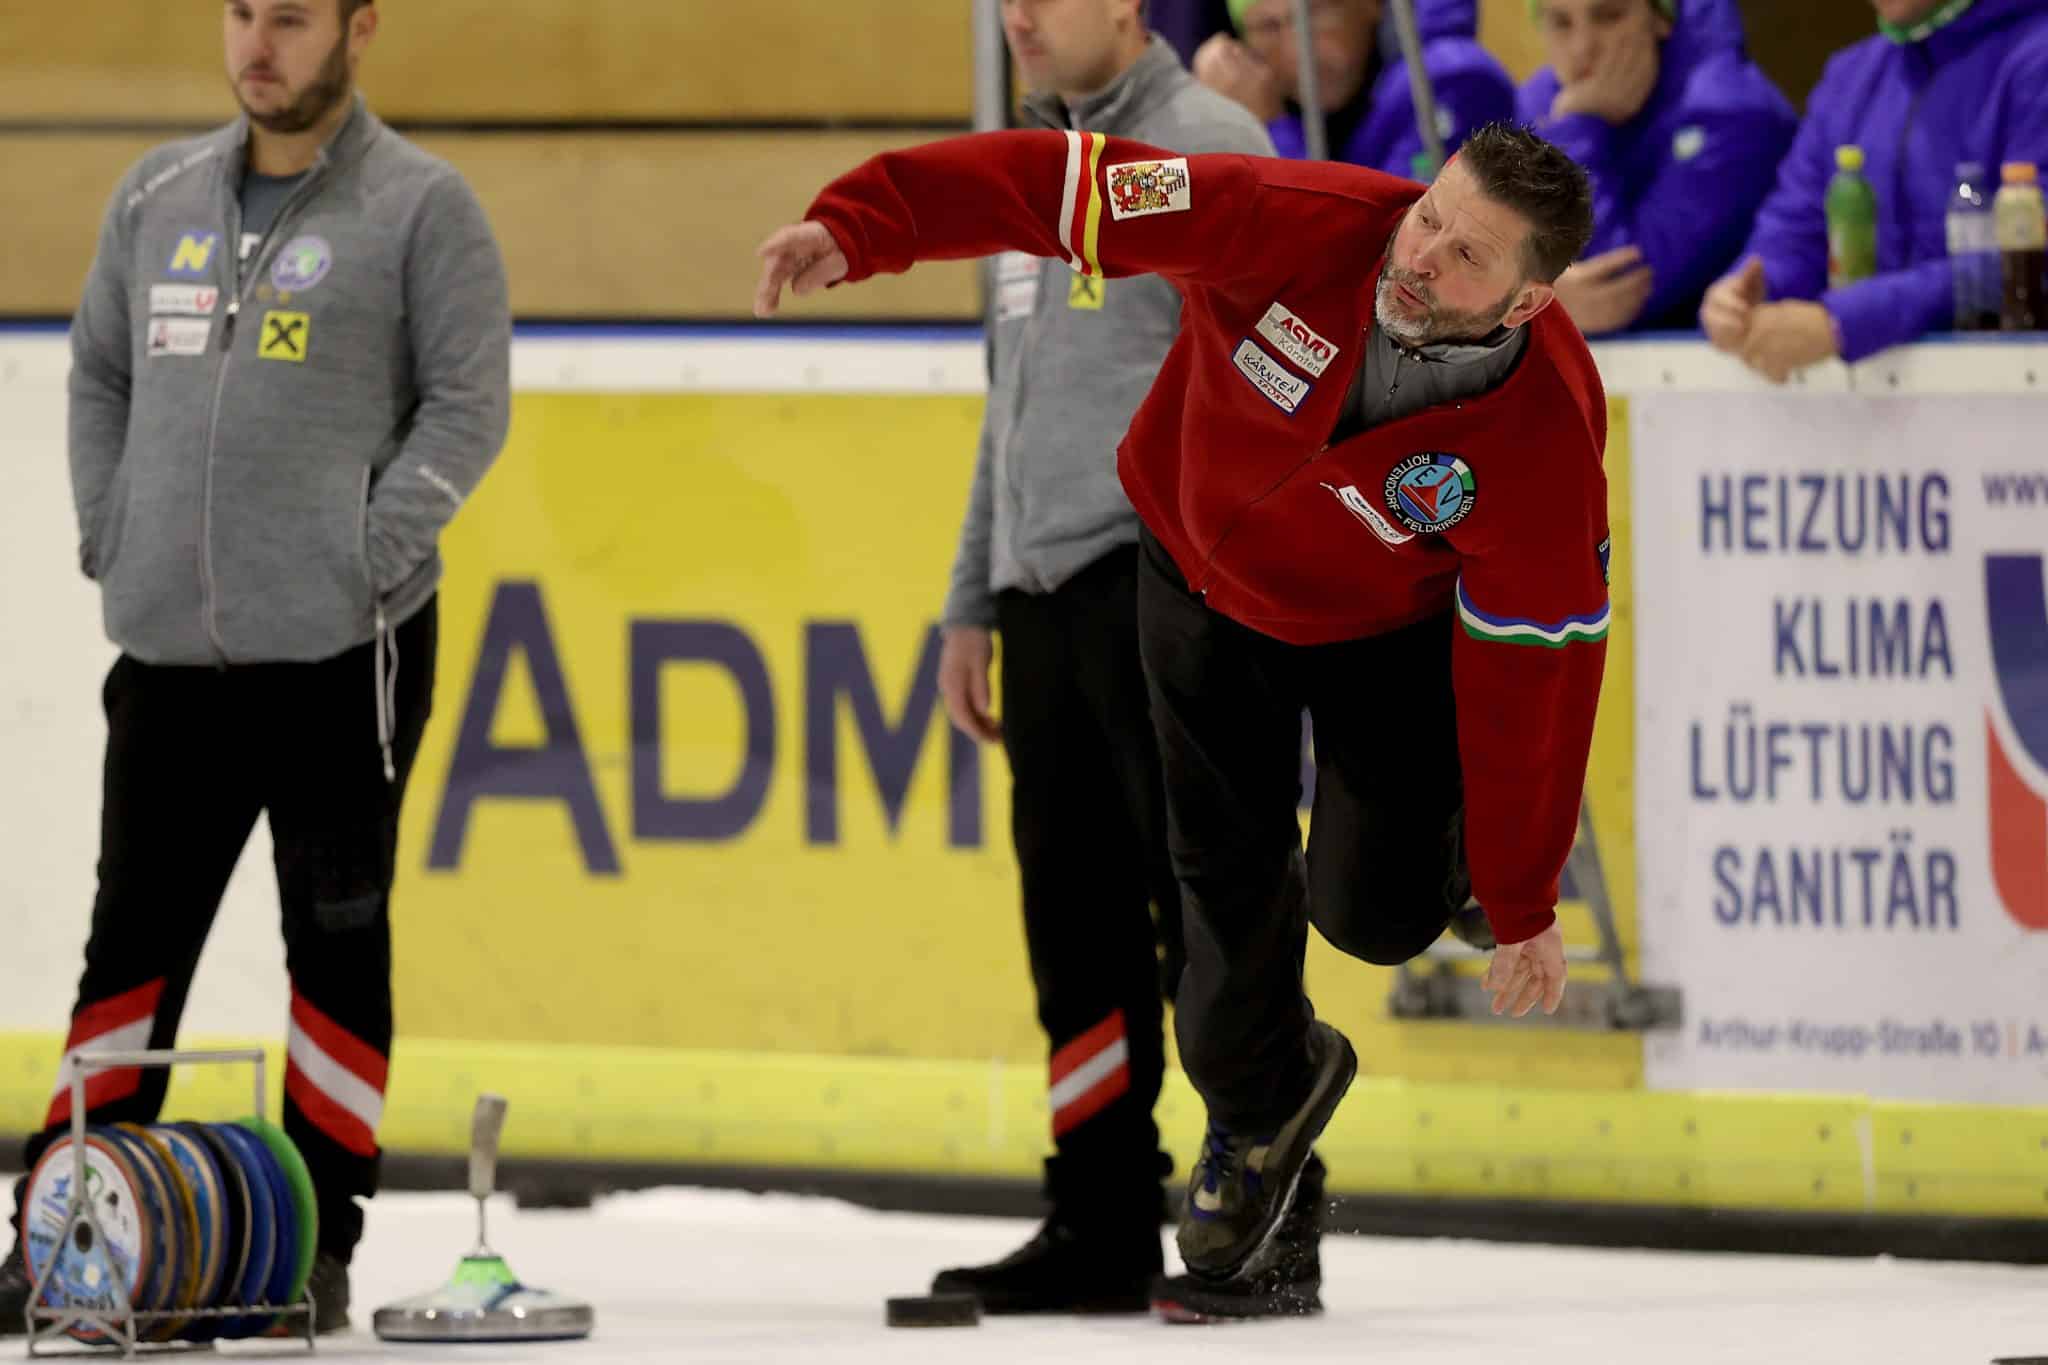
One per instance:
(387,691)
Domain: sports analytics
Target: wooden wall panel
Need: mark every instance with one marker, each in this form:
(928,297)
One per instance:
(53,198)
(161,61)
(1510,34)
(528,60)
(644,225)
(666,224)
(1792,43)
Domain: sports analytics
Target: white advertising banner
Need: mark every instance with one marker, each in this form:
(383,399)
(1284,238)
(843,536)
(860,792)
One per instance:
(1842,740)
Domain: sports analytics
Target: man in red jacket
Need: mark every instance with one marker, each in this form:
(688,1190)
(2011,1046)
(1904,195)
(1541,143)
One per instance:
(1370,479)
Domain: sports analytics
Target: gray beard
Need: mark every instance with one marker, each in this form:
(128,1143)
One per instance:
(1439,326)
(1409,334)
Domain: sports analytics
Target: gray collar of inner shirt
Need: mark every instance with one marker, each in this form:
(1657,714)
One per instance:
(1459,352)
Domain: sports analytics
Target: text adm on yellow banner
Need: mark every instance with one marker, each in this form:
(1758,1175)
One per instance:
(689,784)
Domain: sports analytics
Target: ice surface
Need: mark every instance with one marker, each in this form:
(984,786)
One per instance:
(710,1276)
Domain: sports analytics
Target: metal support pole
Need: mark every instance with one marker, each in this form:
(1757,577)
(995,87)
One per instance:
(1312,126)
(991,69)
(991,114)
(1423,93)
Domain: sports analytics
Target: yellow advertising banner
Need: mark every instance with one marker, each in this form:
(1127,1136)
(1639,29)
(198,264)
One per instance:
(695,872)
(689,786)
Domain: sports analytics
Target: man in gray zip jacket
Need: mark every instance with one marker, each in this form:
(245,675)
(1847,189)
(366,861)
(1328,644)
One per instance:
(289,370)
(1048,559)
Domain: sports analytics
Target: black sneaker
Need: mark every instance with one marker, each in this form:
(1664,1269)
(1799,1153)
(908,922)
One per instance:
(1286,1282)
(15,1287)
(328,1284)
(1097,1252)
(329,1288)
(1063,1269)
(1243,1183)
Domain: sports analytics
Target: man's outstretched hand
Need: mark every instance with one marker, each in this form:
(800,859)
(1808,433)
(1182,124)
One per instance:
(803,256)
(1524,975)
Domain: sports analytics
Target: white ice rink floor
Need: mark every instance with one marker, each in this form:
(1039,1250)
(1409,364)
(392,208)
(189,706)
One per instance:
(701,1276)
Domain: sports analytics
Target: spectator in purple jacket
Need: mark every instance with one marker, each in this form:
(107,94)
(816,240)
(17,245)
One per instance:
(1681,135)
(1361,79)
(1943,82)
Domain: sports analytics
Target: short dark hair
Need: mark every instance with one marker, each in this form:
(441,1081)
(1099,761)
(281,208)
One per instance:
(1539,181)
(349,8)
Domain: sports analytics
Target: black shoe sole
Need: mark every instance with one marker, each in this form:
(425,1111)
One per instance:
(1102,1297)
(1322,1105)
(1098,1305)
(1186,1301)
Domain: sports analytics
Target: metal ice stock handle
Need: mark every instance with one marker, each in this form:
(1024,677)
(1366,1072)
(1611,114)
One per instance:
(485,1129)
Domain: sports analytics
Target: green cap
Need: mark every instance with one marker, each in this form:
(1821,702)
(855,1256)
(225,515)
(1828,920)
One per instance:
(1237,10)
(1905,35)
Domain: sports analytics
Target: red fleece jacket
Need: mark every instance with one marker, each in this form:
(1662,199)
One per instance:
(1495,507)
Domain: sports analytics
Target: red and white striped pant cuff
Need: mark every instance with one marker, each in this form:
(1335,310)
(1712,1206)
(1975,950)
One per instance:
(1089,1074)
(336,1080)
(121,1023)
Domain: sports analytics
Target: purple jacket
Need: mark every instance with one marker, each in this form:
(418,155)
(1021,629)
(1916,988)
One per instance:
(1682,180)
(1471,89)
(1975,90)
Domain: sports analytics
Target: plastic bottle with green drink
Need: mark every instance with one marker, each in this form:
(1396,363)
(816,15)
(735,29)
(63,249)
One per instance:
(1852,221)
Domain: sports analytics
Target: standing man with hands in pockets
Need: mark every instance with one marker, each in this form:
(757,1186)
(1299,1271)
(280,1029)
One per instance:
(290,369)
(1048,560)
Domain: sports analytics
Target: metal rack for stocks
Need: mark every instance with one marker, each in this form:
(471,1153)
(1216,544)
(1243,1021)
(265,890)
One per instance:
(123,1324)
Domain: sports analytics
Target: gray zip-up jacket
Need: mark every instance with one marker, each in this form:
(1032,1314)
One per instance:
(264,453)
(1072,357)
